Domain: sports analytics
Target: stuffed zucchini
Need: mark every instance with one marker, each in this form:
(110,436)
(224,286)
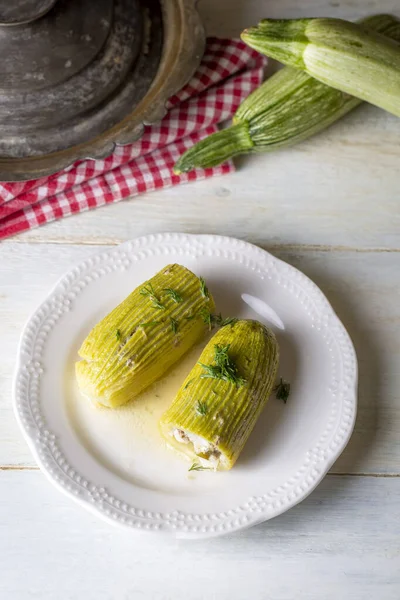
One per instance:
(144,336)
(218,404)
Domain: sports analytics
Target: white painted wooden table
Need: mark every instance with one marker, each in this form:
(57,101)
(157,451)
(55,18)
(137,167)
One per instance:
(329,207)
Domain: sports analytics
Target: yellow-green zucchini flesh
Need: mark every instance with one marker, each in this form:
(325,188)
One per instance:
(144,336)
(210,419)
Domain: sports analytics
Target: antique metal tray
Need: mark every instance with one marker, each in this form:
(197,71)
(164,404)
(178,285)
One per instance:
(78,77)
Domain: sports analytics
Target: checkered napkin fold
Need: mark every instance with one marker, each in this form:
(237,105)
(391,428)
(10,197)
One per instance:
(227,74)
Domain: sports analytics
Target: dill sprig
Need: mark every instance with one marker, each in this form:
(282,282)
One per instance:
(221,322)
(176,297)
(188,383)
(118,334)
(201,408)
(211,320)
(224,367)
(149,324)
(149,292)
(196,467)
(207,317)
(204,289)
(228,321)
(174,325)
(282,390)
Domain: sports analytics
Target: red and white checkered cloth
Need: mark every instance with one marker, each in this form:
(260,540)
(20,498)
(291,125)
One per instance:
(228,72)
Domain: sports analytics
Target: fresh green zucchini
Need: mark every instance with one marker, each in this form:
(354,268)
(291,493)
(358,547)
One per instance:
(347,56)
(287,108)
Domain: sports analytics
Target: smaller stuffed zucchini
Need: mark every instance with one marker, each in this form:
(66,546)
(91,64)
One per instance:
(218,404)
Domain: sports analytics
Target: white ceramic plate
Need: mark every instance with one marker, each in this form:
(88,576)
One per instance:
(114,461)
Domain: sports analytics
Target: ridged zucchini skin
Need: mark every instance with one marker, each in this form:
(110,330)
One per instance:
(229,412)
(136,343)
(288,108)
(346,56)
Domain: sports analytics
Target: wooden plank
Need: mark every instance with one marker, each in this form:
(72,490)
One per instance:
(342,542)
(363,288)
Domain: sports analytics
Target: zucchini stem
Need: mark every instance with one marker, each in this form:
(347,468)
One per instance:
(216,149)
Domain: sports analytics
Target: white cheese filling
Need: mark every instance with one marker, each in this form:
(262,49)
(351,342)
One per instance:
(207,453)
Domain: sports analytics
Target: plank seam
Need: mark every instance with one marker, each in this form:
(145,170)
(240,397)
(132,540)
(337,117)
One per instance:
(270,248)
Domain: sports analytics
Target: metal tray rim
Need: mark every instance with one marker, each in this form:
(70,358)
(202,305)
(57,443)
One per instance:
(182,53)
